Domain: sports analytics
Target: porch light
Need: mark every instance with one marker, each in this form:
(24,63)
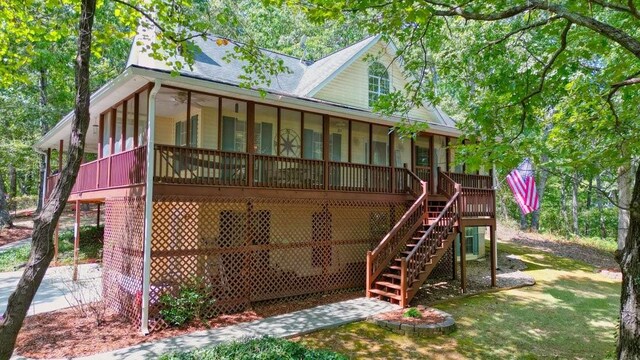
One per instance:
(95,129)
(236,108)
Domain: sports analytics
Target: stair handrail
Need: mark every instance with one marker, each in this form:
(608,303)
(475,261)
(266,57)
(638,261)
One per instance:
(445,184)
(387,249)
(429,248)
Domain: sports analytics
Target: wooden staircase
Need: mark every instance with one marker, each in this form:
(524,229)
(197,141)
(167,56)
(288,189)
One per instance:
(406,256)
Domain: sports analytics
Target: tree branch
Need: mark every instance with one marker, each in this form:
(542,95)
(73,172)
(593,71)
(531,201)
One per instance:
(630,80)
(617,35)
(543,76)
(631,9)
(519,30)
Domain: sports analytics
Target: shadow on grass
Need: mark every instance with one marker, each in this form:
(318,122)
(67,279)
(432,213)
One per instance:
(570,313)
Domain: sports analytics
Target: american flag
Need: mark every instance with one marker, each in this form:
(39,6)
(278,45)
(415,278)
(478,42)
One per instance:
(523,185)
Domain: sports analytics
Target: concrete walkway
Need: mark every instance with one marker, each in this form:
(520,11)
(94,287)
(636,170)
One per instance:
(15,244)
(286,325)
(55,291)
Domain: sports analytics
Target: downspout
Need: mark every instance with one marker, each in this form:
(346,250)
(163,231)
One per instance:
(148,207)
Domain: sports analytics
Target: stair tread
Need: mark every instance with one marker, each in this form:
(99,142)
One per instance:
(386,294)
(389,285)
(393,276)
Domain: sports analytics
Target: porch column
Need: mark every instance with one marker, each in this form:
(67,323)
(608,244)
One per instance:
(76,241)
(392,160)
(325,150)
(251,149)
(148,206)
(432,163)
(493,253)
(60,148)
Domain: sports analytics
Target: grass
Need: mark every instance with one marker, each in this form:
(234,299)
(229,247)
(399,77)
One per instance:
(90,248)
(570,313)
(262,349)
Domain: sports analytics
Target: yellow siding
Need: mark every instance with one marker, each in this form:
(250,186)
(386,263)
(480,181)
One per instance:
(350,87)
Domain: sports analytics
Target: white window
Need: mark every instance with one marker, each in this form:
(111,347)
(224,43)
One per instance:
(378,82)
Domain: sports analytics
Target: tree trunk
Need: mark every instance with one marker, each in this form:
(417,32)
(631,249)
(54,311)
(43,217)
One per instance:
(44,127)
(524,223)
(625,184)
(5,216)
(628,339)
(588,207)
(45,222)
(599,204)
(563,205)
(541,184)
(574,204)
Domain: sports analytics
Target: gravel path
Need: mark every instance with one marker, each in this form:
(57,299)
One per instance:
(509,275)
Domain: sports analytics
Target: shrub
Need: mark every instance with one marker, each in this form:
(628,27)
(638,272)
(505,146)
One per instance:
(412,313)
(263,348)
(188,305)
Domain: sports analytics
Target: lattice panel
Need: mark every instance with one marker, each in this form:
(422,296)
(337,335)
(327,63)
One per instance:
(444,268)
(251,250)
(122,255)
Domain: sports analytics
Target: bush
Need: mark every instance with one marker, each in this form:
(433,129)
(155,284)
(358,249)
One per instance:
(188,305)
(263,348)
(412,313)
(23,202)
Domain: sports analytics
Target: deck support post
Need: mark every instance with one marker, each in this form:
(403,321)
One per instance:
(98,217)
(76,240)
(463,259)
(368,275)
(493,253)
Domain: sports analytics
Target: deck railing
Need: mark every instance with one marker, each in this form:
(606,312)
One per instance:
(285,172)
(359,177)
(478,202)
(182,165)
(123,169)
(472,181)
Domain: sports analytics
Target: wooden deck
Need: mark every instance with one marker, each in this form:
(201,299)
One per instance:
(196,170)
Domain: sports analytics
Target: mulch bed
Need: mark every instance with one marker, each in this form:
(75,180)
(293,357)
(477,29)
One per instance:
(18,232)
(429,316)
(65,333)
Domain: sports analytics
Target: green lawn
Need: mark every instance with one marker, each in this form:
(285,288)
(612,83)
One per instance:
(258,349)
(571,313)
(90,248)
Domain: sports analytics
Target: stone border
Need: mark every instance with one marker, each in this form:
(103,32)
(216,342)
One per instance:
(424,330)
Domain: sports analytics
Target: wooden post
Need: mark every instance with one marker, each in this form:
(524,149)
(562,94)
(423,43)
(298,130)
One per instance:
(392,161)
(76,241)
(493,253)
(463,259)
(98,217)
(60,156)
(433,165)
(403,282)
(368,275)
(325,150)
(251,149)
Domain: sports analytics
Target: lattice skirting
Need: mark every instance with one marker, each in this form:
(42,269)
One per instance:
(247,250)
(122,255)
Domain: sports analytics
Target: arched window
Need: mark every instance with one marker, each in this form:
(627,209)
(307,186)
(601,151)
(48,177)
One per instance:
(378,82)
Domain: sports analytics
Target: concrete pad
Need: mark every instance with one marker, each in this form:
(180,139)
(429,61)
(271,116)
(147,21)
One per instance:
(286,325)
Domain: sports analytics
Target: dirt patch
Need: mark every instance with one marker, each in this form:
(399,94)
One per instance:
(558,246)
(428,316)
(16,233)
(509,274)
(65,333)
